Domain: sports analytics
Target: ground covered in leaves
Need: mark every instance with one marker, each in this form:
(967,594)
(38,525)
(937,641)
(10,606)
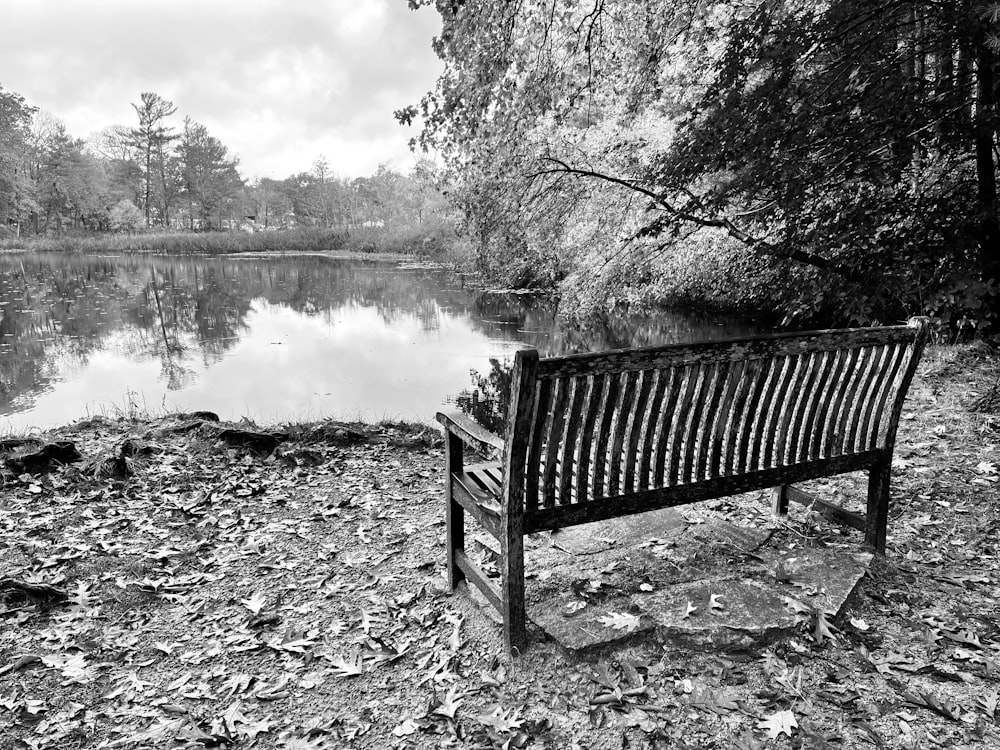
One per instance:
(185,586)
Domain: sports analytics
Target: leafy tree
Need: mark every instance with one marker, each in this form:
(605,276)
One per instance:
(15,119)
(210,178)
(125,216)
(122,159)
(849,142)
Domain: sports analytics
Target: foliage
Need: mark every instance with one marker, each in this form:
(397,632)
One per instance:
(209,178)
(489,400)
(124,216)
(852,139)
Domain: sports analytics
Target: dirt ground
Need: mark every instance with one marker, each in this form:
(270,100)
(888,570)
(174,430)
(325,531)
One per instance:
(176,588)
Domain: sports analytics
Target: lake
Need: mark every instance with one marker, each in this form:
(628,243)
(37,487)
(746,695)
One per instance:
(274,339)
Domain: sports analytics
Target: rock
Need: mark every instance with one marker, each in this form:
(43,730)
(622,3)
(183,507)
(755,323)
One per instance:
(200,416)
(591,538)
(261,443)
(133,446)
(12,444)
(579,624)
(39,592)
(335,433)
(44,459)
(710,585)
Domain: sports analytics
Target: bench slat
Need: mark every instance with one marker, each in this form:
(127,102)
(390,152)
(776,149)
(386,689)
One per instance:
(532,472)
(659,388)
(860,398)
(481,504)
(635,445)
(694,436)
(624,413)
(755,413)
(842,367)
(779,408)
(721,428)
(610,405)
(678,421)
(812,405)
(664,430)
(569,461)
(595,397)
(748,376)
(763,411)
(876,411)
(554,441)
(840,421)
(788,448)
(714,434)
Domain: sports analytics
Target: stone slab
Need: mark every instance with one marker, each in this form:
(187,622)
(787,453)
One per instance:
(591,538)
(576,623)
(752,582)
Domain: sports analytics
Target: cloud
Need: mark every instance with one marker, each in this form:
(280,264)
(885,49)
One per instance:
(278,82)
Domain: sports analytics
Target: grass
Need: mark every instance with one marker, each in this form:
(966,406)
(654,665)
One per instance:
(408,241)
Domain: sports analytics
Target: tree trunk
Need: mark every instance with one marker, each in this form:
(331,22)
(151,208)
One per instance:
(989,225)
(163,186)
(149,181)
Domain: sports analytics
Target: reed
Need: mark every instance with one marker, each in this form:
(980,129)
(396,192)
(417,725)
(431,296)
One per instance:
(376,240)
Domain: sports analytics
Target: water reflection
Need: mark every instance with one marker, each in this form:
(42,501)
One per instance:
(275,338)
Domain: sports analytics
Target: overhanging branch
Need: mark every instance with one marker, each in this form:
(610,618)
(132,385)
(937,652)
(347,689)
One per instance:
(699,218)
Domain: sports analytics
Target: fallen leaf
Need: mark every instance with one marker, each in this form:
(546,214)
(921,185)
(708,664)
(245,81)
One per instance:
(347,667)
(406,728)
(449,705)
(255,603)
(621,621)
(823,629)
(777,724)
(501,720)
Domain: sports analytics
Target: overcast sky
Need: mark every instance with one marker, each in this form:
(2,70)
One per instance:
(279,82)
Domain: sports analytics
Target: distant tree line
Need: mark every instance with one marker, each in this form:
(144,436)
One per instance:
(161,173)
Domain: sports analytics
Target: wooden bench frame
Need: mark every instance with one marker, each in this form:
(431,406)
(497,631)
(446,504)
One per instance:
(598,436)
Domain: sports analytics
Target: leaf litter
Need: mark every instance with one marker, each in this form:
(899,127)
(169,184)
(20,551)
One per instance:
(215,597)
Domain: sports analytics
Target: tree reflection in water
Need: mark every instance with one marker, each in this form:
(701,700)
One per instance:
(376,336)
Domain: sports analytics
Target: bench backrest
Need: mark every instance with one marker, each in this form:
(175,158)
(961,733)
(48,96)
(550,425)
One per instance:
(596,426)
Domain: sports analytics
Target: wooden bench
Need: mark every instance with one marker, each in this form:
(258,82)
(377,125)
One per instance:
(597,436)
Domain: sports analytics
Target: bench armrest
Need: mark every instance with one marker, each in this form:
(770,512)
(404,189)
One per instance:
(469,431)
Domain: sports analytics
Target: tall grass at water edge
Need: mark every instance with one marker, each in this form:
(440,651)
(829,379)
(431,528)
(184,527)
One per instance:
(423,241)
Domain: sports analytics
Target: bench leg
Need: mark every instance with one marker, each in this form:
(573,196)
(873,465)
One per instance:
(512,593)
(779,500)
(877,518)
(454,513)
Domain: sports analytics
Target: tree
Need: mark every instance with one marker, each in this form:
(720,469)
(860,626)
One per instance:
(849,142)
(69,187)
(122,160)
(153,137)
(209,177)
(15,119)
(124,216)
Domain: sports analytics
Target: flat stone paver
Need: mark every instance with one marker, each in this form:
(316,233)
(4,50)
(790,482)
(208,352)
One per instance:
(708,584)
